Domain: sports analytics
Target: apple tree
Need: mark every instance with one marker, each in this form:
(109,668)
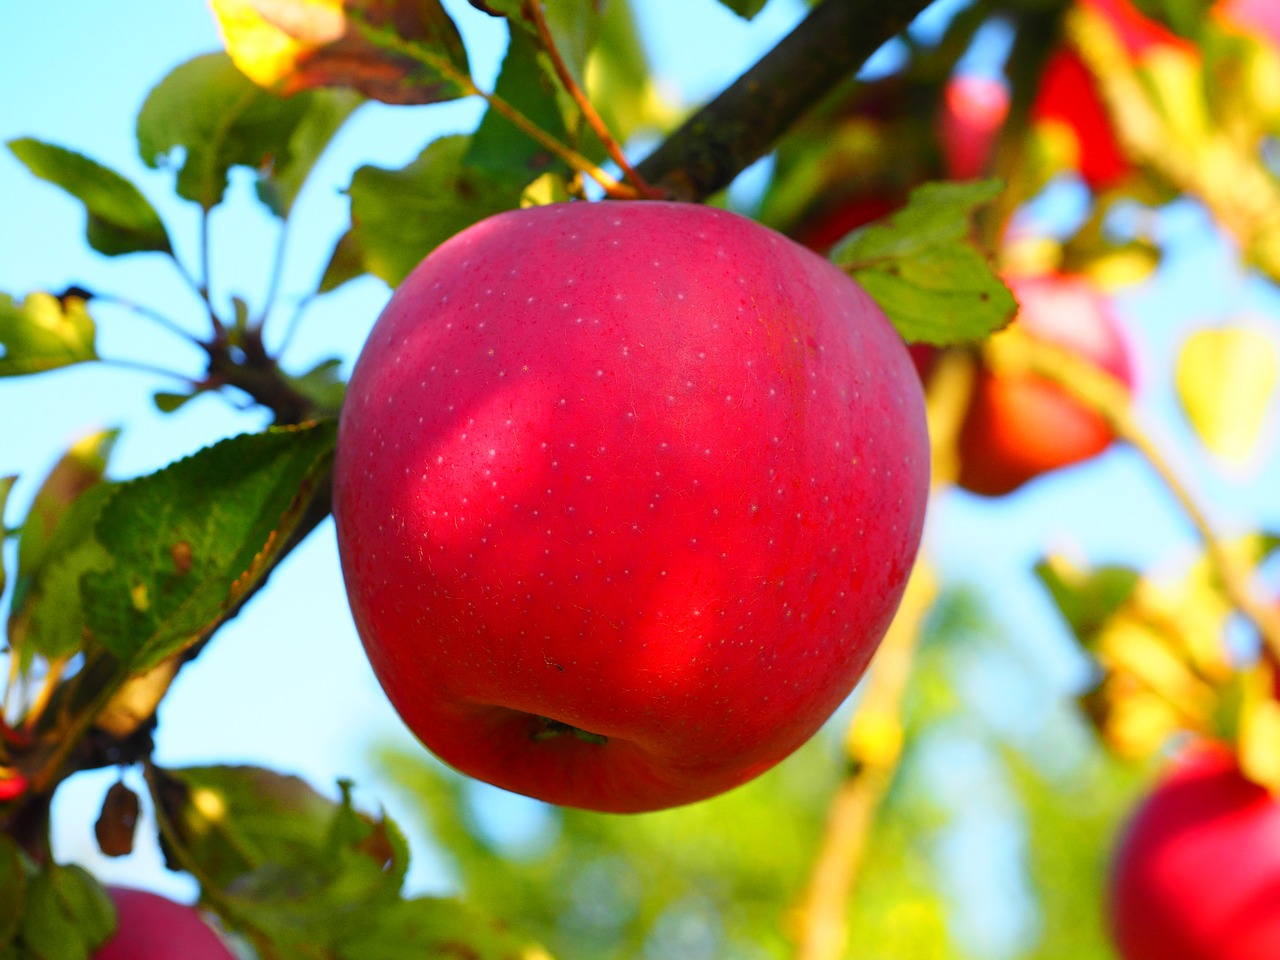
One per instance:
(630,484)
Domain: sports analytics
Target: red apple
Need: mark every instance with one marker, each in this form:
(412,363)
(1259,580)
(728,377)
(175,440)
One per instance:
(1197,872)
(1068,94)
(626,496)
(152,927)
(973,110)
(1020,426)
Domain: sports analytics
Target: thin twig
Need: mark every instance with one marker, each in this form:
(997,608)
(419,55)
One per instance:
(1109,398)
(740,126)
(572,87)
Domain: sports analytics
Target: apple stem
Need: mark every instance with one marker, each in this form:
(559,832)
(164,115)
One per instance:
(1107,397)
(548,729)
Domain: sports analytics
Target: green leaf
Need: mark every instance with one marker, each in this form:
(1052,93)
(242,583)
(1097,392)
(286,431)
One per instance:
(746,9)
(345,263)
(188,542)
(13,889)
(47,616)
(429,927)
(68,915)
(399,216)
(80,468)
(924,271)
(619,80)
(1086,598)
(121,220)
(44,333)
(167,402)
(6,487)
(221,119)
(327,111)
(294,870)
(323,385)
(528,84)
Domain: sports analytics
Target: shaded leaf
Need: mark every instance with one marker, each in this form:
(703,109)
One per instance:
(219,119)
(167,402)
(432,927)
(402,51)
(527,83)
(1226,381)
(924,271)
(13,888)
(44,333)
(322,385)
(399,216)
(46,616)
(6,487)
(67,916)
(345,263)
(121,219)
(327,111)
(76,471)
(745,8)
(189,541)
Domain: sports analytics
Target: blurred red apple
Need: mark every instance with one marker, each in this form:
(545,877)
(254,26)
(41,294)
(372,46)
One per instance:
(1068,94)
(626,496)
(152,927)
(1259,16)
(1196,874)
(973,110)
(1018,427)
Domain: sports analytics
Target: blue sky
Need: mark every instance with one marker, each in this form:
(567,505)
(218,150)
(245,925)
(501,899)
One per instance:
(286,685)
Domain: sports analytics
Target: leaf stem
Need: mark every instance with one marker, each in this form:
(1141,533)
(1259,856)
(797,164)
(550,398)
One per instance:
(205,284)
(277,274)
(1109,398)
(140,367)
(155,316)
(611,186)
(574,89)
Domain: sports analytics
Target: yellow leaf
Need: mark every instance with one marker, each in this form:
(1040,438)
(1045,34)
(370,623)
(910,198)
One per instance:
(1258,739)
(267,39)
(1226,378)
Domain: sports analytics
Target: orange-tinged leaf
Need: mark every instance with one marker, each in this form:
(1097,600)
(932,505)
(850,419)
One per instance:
(396,51)
(1226,379)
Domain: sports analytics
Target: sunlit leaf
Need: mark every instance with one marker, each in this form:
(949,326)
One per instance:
(206,117)
(121,220)
(43,333)
(619,82)
(923,270)
(403,51)
(399,216)
(1258,731)
(1226,380)
(1087,598)
(188,542)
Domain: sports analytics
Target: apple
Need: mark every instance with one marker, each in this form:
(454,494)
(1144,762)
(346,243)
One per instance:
(152,927)
(1196,874)
(974,109)
(1068,96)
(626,496)
(1019,426)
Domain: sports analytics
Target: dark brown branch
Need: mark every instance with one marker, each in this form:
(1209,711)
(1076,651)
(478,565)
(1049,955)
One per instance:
(739,126)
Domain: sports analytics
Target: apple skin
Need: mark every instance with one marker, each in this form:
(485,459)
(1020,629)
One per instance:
(1019,426)
(1196,875)
(626,496)
(152,927)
